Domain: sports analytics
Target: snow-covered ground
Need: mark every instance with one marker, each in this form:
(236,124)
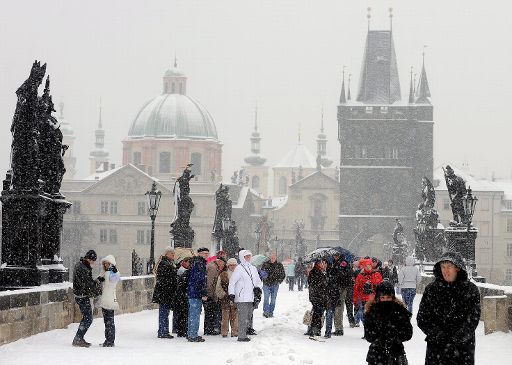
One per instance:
(280,340)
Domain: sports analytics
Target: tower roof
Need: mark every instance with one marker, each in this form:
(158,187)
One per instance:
(379,82)
(298,156)
(423,91)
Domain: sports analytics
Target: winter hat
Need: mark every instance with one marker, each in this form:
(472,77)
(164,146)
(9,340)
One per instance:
(91,255)
(384,288)
(453,257)
(242,254)
(109,258)
(202,249)
(169,249)
(232,261)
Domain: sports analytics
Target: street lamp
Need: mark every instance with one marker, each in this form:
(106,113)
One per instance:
(469,203)
(153,197)
(226,223)
(469,206)
(257,233)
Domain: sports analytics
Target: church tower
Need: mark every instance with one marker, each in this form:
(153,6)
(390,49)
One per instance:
(99,157)
(321,145)
(386,148)
(68,138)
(256,168)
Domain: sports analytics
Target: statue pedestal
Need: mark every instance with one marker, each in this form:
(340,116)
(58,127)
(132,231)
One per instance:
(21,277)
(462,240)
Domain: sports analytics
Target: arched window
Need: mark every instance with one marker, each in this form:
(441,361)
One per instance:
(137,158)
(255,182)
(282,185)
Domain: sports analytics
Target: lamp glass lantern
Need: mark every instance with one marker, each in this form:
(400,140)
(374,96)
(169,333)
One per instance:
(153,196)
(469,205)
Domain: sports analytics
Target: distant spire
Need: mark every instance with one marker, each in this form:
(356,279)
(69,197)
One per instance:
(369,16)
(415,74)
(411,90)
(299,132)
(391,19)
(423,92)
(343,100)
(175,61)
(256,117)
(100,124)
(322,121)
(348,93)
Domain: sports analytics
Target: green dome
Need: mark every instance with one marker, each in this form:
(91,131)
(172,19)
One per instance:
(173,116)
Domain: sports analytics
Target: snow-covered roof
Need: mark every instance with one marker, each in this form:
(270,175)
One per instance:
(471,181)
(298,156)
(506,187)
(101,175)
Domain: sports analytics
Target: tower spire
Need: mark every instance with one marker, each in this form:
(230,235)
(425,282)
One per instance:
(411,89)
(256,117)
(391,19)
(423,92)
(348,93)
(299,134)
(322,121)
(175,61)
(100,123)
(343,99)
(369,16)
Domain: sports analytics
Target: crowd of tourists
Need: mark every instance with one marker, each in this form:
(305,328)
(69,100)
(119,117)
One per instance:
(230,289)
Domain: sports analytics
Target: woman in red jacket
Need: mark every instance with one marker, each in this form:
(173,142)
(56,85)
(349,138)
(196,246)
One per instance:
(366,282)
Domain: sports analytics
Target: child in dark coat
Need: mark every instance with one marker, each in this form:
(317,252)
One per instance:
(387,325)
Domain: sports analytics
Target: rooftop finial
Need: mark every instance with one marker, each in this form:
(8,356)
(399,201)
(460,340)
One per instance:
(100,124)
(369,16)
(343,99)
(391,19)
(322,120)
(423,53)
(299,132)
(411,89)
(175,61)
(348,93)
(256,117)
(415,74)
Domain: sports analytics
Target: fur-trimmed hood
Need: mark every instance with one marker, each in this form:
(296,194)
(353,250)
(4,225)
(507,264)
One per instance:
(456,259)
(369,305)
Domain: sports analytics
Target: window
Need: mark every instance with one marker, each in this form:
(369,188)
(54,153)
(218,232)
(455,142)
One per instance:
(508,276)
(75,208)
(484,228)
(104,207)
(141,208)
(508,204)
(369,109)
(140,237)
(384,109)
(446,204)
(103,236)
(509,224)
(395,153)
(165,162)
(282,185)
(195,158)
(113,207)
(255,182)
(137,158)
(509,249)
(113,236)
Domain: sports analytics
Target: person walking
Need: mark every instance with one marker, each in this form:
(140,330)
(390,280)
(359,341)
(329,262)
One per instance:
(197,293)
(165,290)
(358,307)
(387,325)
(85,288)
(180,313)
(345,282)
(365,284)
(244,289)
(273,276)
(318,295)
(229,312)
(108,300)
(300,273)
(211,305)
(290,275)
(449,313)
(408,279)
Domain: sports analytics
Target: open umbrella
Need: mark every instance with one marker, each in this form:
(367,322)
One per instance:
(318,254)
(346,254)
(258,260)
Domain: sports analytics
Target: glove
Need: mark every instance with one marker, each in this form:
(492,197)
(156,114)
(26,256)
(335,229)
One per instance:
(113,268)
(101,279)
(231,297)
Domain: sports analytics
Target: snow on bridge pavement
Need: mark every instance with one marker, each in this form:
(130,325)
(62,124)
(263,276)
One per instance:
(280,340)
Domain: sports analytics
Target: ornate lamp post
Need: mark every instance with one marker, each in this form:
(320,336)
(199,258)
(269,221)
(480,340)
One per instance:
(257,234)
(153,197)
(226,224)
(469,203)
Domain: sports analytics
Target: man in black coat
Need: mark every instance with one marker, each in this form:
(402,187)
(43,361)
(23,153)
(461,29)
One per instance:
(165,291)
(273,275)
(449,313)
(317,282)
(84,288)
(300,273)
(180,313)
(342,272)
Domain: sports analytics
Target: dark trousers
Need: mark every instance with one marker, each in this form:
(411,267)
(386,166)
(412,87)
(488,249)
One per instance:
(291,282)
(211,314)
(163,319)
(180,319)
(316,321)
(300,282)
(350,305)
(85,308)
(110,327)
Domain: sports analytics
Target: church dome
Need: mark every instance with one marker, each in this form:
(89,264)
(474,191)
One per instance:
(173,116)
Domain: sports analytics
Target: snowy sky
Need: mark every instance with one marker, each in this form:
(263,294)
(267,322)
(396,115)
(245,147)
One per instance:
(286,54)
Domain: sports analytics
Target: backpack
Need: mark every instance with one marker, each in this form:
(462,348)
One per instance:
(368,285)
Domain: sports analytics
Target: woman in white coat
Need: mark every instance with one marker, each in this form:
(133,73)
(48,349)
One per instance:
(241,290)
(108,301)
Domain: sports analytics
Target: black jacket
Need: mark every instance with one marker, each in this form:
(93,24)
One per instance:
(275,272)
(83,283)
(165,288)
(300,269)
(449,315)
(181,298)
(317,283)
(386,326)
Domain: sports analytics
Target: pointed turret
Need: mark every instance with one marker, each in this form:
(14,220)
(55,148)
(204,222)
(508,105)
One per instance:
(321,143)
(411,90)
(255,159)
(99,157)
(349,97)
(423,92)
(343,100)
